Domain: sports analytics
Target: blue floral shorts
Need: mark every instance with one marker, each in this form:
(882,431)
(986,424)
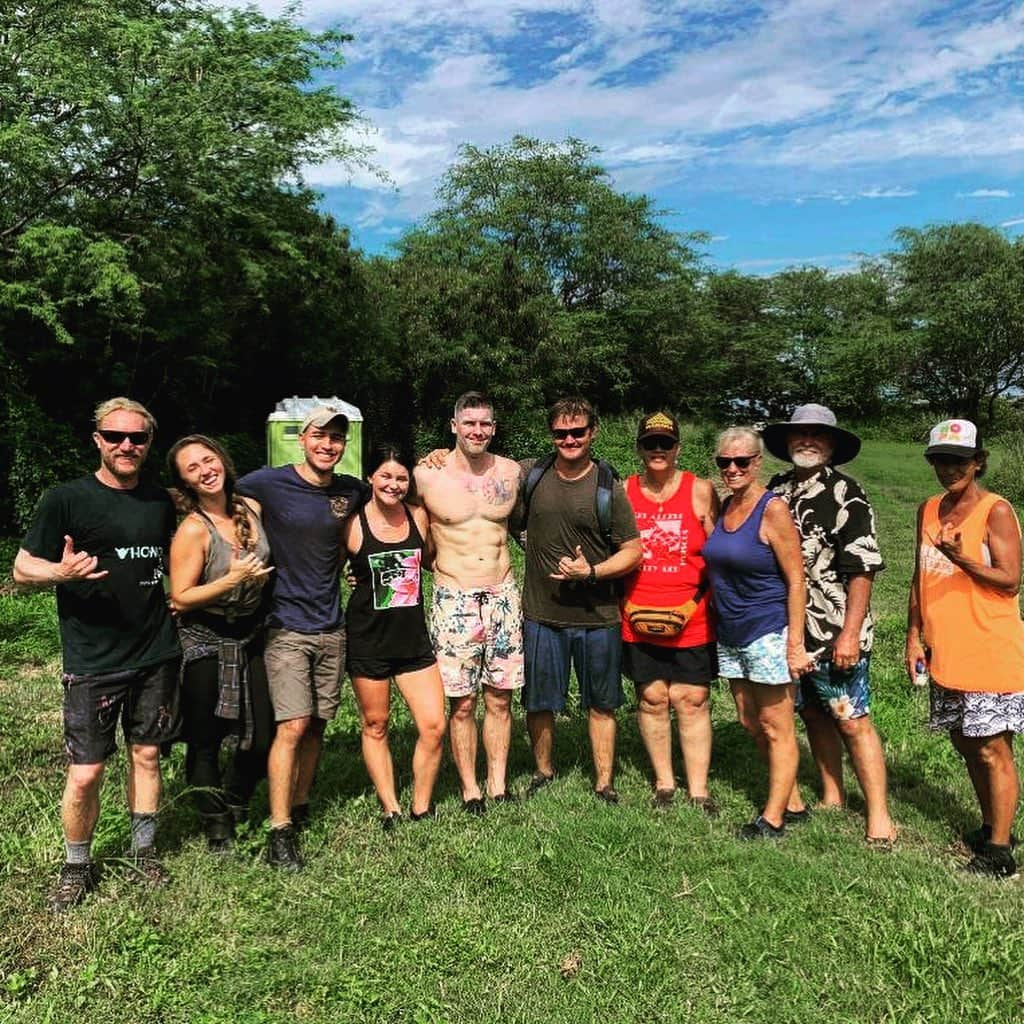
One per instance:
(761,661)
(843,693)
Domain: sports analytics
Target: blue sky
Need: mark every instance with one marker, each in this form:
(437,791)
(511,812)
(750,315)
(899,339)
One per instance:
(793,132)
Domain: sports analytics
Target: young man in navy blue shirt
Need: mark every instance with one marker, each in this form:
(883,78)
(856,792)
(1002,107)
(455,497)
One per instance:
(304,508)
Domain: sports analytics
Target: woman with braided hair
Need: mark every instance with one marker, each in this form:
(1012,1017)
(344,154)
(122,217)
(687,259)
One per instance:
(219,559)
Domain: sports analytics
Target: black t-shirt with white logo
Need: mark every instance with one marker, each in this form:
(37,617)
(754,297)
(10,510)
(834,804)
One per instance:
(119,622)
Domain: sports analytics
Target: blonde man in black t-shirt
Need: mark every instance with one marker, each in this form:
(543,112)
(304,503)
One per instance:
(102,542)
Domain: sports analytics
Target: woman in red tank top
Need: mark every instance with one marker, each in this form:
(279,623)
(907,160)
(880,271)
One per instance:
(671,667)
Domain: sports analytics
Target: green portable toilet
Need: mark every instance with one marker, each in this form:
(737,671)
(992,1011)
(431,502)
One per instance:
(285,422)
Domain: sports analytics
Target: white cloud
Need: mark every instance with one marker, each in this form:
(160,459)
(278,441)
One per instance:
(1012,223)
(985,193)
(887,193)
(781,96)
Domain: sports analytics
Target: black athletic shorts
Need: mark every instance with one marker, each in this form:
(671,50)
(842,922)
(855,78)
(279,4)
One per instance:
(387,668)
(645,663)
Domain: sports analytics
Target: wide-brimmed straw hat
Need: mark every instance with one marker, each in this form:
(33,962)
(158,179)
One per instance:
(776,435)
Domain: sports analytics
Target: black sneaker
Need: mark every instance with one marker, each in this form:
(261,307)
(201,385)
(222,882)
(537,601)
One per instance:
(282,852)
(220,832)
(477,807)
(975,841)
(607,795)
(390,821)
(148,869)
(300,818)
(796,817)
(706,804)
(74,883)
(537,782)
(995,862)
(505,798)
(430,814)
(663,799)
(760,829)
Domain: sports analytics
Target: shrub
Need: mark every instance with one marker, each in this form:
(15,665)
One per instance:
(1007,476)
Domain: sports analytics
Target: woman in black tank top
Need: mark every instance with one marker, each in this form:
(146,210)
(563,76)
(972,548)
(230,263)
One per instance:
(388,546)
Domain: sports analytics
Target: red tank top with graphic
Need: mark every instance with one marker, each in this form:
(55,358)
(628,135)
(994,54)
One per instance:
(673,566)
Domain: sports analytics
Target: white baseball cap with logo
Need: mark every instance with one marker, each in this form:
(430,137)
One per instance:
(953,437)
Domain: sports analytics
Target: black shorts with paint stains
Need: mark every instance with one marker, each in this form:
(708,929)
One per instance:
(144,700)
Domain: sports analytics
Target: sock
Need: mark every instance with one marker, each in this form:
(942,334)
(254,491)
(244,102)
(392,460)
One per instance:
(143,831)
(78,853)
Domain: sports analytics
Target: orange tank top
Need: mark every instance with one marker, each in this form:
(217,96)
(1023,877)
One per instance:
(975,633)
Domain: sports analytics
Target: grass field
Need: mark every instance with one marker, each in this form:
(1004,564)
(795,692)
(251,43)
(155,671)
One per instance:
(557,910)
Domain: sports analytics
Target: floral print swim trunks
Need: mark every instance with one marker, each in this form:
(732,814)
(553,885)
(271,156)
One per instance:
(478,637)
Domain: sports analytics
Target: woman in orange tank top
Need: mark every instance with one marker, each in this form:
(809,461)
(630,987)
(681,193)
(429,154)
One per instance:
(964,624)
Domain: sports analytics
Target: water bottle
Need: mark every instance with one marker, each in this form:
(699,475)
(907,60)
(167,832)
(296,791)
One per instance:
(921,672)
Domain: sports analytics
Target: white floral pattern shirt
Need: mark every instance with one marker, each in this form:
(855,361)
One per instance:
(837,535)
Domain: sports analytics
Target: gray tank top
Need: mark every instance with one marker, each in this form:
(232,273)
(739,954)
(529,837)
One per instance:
(246,597)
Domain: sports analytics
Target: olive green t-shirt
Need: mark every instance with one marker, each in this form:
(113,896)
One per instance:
(563,515)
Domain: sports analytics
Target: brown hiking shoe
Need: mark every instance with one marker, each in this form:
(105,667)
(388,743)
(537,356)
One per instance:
(147,868)
(74,883)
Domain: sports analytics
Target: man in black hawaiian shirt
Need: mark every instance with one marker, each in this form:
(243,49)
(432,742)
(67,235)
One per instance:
(841,556)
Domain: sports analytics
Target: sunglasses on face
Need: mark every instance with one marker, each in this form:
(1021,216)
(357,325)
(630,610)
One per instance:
(741,461)
(948,460)
(561,433)
(658,443)
(137,437)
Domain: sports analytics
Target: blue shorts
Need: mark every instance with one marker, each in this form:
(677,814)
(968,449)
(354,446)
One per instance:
(595,654)
(843,693)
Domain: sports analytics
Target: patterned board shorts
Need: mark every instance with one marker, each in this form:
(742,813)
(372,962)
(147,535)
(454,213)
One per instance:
(975,714)
(761,661)
(478,637)
(843,693)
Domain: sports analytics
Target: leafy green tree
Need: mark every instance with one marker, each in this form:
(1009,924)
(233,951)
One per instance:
(535,276)
(961,292)
(156,235)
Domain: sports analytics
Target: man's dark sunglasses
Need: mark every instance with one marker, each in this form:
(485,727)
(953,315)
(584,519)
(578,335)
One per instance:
(137,437)
(948,460)
(561,433)
(742,461)
(658,443)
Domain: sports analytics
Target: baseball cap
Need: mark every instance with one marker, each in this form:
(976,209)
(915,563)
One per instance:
(321,416)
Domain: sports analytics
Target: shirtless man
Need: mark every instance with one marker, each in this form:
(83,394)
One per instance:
(476,621)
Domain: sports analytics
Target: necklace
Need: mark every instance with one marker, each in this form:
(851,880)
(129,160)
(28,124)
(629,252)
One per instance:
(670,486)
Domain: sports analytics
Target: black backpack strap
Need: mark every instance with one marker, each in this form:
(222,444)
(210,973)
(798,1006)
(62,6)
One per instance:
(537,470)
(606,477)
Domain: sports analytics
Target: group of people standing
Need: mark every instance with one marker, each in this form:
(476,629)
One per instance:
(657,577)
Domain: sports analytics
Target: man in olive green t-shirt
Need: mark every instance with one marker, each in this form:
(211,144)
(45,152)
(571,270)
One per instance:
(570,604)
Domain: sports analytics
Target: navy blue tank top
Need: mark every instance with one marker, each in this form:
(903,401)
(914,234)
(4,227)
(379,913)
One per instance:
(748,588)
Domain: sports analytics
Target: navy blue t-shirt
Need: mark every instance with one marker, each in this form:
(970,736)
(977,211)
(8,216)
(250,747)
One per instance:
(303,524)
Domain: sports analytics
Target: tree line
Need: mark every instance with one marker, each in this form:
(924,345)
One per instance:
(157,239)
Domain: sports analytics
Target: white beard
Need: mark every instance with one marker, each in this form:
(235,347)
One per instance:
(809,460)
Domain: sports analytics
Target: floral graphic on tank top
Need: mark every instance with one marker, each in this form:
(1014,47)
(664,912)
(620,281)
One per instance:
(396,578)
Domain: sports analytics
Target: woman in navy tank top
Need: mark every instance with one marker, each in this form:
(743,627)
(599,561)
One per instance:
(757,578)
(388,548)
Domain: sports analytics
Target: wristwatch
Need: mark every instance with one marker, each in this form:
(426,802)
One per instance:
(592,578)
